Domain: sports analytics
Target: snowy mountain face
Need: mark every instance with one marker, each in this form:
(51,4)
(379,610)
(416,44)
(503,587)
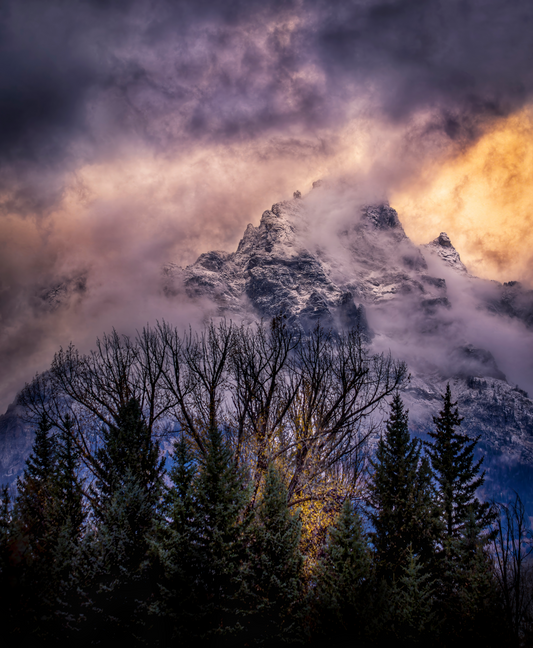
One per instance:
(277,268)
(315,260)
(419,302)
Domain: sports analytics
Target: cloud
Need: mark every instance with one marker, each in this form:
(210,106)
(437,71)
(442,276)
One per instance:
(481,198)
(139,132)
(170,73)
(436,318)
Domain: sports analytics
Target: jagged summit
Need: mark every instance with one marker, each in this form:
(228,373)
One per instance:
(442,247)
(279,267)
(383,217)
(364,271)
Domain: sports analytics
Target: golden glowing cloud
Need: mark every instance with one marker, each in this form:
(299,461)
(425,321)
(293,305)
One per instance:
(483,199)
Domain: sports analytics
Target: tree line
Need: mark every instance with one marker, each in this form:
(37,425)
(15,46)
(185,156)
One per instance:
(262,526)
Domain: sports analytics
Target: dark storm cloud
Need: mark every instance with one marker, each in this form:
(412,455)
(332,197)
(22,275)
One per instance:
(469,58)
(169,72)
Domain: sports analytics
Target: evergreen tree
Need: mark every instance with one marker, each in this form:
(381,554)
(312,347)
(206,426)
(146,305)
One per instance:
(67,488)
(68,514)
(344,580)
(217,551)
(412,620)
(128,450)
(127,495)
(129,485)
(47,522)
(171,547)
(457,474)
(35,530)
(403,514)
(274,580)
(465,586)
(468,597)
(35,502)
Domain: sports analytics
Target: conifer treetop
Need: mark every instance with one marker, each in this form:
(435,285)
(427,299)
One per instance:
(456,472)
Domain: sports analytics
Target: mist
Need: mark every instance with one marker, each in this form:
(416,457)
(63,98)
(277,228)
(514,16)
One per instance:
(143,133)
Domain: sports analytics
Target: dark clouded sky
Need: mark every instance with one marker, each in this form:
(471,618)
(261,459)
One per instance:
(135,133)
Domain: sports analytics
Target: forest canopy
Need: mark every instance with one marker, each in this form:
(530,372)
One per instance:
(218,488)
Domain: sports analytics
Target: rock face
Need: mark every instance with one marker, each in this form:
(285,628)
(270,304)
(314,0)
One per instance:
(374,277)
(443,248)
(276,270)
(419,302)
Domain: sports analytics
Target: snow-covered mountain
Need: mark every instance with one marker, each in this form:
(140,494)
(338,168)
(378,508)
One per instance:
(420,302)
(313,259)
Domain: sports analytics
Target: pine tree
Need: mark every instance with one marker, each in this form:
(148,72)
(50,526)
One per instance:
(403,514)
(34,502)
(67,488)
(274,580)
(129,484)
(129,450)
(68,518)
(344,579)
(35,530)
(457,474)
(465,583)
(413,620)
(217,551)
(467,591)
(46,526)
(127,495)
(171,547)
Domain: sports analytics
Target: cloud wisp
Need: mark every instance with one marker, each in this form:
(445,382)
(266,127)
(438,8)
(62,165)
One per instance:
(145,131)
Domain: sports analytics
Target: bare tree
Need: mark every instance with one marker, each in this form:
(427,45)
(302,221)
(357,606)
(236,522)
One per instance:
(340,386)
(90,390)
(264,386)
(195,377)
(512,549)
(305,402)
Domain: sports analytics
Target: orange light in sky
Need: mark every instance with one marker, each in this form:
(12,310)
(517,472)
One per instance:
(483,199)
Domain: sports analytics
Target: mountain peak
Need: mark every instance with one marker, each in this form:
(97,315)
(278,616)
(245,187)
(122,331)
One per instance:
(443,248)
(443,240)
(382,217)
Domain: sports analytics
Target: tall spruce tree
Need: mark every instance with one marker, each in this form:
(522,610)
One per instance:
(465,584)
(47,520)
(174,600)
(34,505)
(403,512)
(218,549)
(68,515)
(127,496)
(412,618)
(344,590)
(67,486)
(457,473)
(35,530)
(129,451)
(274,581)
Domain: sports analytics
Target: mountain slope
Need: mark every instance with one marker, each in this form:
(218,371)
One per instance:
(360,269)
(420,302)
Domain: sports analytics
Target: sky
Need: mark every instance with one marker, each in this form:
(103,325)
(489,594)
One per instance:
(136,133)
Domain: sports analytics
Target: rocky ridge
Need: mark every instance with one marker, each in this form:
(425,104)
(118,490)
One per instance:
(395,291)
(273,270)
